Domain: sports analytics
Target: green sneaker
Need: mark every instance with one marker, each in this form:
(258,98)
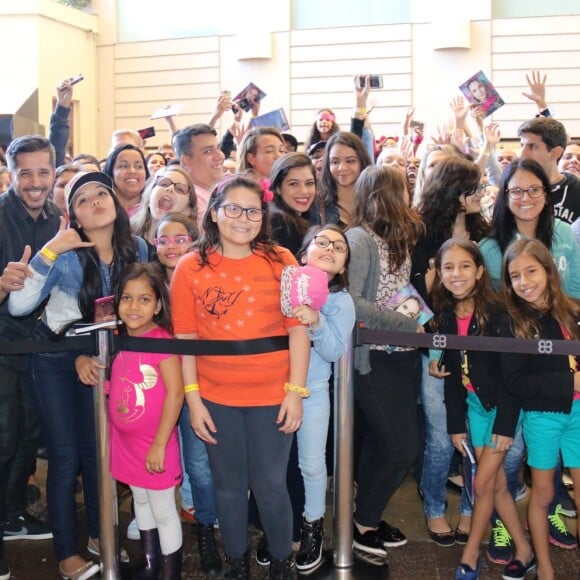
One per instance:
(558,533)
(499,550)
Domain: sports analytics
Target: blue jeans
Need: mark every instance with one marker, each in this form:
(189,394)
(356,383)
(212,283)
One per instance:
(65,409)
(438,447)
(196,463)
(312,451)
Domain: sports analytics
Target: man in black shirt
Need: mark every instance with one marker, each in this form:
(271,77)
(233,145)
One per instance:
(27,221)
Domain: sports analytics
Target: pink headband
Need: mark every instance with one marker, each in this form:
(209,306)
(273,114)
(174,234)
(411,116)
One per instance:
(326,116)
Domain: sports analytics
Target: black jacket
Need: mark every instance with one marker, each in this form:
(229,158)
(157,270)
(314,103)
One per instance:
(541,382)
(486,376)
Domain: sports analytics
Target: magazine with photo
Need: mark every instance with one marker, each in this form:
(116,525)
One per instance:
(248,97)
(479,90)
(469,471)
(409,302)
(276,119)
(167,111)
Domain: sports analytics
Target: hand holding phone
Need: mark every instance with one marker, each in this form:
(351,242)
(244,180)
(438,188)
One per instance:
(76,79)
(375,81)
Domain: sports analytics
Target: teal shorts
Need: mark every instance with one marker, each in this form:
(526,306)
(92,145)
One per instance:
(547,434)
(481,421)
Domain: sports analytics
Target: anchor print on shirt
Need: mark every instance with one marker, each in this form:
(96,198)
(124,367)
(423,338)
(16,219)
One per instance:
(150,377)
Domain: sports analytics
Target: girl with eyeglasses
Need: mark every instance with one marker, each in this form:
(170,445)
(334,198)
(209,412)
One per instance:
(169,191)
(244,407)
(523,210)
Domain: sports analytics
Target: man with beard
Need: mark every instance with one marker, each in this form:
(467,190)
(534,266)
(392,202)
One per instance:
(27,221)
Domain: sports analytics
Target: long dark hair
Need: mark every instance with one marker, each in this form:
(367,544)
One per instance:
(339,281)
(210,237)
(503,223)
(380,206)
(524,316)
(280,170)
(314,134)
(154,275)
(483,294)
(112,158)
(328,189)
(440,204)
(124,253)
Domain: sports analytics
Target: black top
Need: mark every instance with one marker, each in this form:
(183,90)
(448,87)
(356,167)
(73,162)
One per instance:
(17,229)
(566,198)
(541,382)
(486,377)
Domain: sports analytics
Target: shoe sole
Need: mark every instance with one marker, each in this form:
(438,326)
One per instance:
(10,538)
(374,551)
(497,560)
(531,569)
(556,543)
(395,544)
(262,562)
(312,565)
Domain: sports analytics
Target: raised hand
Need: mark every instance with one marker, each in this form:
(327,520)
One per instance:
(537,85)
(64,93)
(66,239)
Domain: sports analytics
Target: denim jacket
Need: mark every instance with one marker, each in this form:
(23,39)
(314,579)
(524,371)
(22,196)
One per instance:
(336,322)
(61,283)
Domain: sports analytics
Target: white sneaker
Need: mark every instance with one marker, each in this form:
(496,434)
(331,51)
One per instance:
(133,530)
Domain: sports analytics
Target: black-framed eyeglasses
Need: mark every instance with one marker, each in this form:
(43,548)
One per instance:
(180,240)
(165,182)
(533,191)
(340,246)
(234,211)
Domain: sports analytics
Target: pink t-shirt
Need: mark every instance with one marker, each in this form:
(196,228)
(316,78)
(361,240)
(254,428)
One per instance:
(462,330)
(135,404)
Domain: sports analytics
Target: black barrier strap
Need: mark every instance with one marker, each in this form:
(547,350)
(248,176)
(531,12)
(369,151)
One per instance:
(454,342)
(200,347)
(66,344)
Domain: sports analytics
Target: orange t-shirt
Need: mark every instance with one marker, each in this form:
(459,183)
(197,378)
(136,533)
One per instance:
(234,300)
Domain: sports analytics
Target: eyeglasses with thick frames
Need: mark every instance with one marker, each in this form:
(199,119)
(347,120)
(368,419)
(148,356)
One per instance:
(323,242)
(518,192)
(180,240)
(234,211)
(165,182)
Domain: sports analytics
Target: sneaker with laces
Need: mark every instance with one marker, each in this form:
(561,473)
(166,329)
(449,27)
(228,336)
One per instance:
(263,556)
(499,550)
(390,536)
(567,507)
(311,537)
(558,533)
(26,527)
(369,542)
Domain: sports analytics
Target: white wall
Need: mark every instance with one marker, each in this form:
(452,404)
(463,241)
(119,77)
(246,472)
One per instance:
(310,69)
(43,43)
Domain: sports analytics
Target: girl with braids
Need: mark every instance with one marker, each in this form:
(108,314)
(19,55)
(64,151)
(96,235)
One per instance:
(79,265)
(386,383)
(548,387)
(244,407)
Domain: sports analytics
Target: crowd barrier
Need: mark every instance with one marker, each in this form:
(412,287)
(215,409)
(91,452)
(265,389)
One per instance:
(103,343)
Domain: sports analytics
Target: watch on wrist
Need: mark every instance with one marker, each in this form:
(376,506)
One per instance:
(547,112)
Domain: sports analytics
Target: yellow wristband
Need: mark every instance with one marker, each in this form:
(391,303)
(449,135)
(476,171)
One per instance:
(190,388)
(302,391)
(360,111)
(48,254)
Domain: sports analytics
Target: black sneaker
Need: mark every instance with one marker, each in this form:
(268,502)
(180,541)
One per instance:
(26,527)
(499,550)
(390,536)
(310,553)
(282,569)
(368,542)
(558,532)
(211,562)
(263,556)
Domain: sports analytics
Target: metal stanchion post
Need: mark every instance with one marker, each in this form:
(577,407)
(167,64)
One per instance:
(109,516)
(343,460)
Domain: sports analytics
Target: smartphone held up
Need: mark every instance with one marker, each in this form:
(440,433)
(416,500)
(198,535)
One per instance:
(375,81)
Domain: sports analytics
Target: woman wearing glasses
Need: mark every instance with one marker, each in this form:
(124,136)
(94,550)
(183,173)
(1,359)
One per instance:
(524,210)
(170,191)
